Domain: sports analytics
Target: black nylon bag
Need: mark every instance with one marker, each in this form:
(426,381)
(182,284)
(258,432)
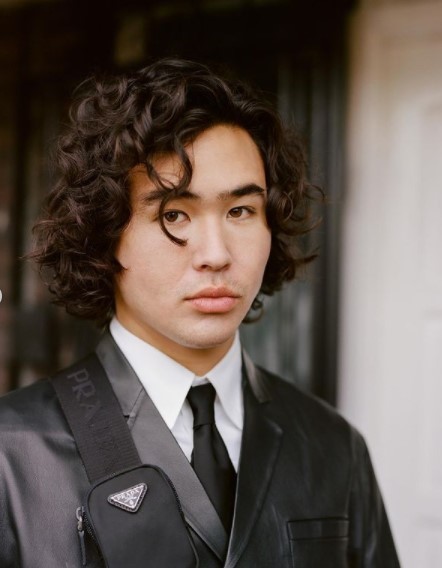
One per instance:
(155,535)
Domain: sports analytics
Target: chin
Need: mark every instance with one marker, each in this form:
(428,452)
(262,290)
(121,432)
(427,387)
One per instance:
(207,338)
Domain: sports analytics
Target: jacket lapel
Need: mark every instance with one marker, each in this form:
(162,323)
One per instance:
(259,450)
(156,445)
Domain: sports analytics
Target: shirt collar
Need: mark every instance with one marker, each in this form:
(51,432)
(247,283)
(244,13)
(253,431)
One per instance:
(226,378)
(167,382)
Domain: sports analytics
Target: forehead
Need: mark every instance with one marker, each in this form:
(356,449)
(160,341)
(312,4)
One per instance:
(222,157)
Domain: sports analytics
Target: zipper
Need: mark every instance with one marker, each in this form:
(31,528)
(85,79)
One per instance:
(79,513)
(84,529)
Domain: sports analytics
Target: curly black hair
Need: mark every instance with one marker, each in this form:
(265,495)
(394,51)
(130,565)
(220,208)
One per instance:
(120,122)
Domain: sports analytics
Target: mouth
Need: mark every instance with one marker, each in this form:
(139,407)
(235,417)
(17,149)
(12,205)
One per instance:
(214,300)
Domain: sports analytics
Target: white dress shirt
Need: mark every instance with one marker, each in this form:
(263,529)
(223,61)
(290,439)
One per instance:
(167,383)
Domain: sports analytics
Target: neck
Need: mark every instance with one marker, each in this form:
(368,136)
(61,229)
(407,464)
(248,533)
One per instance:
(198,360)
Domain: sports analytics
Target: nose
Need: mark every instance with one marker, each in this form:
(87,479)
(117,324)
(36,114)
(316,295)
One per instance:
(211,249)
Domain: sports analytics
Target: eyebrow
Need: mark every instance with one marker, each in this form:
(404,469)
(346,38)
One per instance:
(248,189)
(241,191)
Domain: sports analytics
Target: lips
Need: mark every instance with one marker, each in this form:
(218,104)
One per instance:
(214,300)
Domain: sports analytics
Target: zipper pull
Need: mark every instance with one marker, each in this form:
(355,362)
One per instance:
(80,529)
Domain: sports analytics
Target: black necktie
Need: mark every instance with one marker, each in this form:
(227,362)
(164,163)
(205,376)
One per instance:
(210,459)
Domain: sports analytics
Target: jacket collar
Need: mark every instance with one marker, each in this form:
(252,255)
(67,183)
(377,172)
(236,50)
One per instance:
(260,446)
(156,445)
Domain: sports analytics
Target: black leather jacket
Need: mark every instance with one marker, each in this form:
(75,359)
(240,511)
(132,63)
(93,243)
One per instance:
(307,496)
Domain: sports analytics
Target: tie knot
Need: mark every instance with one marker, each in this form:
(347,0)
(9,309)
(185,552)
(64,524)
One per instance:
(201,400)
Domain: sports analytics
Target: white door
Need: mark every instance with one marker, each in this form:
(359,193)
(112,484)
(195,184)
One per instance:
(391,319)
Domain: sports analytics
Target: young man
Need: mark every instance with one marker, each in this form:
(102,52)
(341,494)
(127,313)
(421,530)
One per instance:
(178,200)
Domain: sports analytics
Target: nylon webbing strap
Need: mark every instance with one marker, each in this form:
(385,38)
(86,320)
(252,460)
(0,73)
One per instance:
(96,420)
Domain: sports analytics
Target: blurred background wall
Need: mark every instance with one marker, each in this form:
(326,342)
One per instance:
(362,82)
(390,367)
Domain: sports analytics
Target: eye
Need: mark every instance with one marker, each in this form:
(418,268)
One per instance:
(241,212)
(173,217)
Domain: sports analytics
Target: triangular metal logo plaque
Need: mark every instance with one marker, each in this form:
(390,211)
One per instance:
(129,499)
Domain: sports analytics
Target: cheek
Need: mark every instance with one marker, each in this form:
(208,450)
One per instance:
(138,247)
(256,250)
(263,245)
(267,246)
(152,262)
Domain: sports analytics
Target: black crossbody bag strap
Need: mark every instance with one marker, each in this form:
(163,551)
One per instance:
(95,418)
(132,510)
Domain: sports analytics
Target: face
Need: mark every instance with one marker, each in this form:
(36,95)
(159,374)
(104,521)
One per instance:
(186,300)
